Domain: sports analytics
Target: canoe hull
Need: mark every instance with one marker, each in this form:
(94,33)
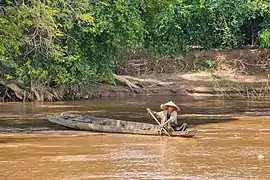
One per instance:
(96,124)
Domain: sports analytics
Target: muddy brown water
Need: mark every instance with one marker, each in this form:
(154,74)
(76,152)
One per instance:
(226,147)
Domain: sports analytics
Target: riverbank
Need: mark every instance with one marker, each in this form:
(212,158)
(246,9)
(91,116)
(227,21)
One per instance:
(235,73)
(218,83)
(229,74)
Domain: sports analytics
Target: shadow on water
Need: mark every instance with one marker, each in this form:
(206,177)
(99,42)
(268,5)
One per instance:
(19,140)
(27,125)
(200,116)
(207,120)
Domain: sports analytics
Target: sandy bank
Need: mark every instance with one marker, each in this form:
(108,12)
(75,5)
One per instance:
(219,83)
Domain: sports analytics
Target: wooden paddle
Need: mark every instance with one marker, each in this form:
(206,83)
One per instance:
(162,128)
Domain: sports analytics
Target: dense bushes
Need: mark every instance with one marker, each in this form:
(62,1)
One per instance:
(213,24)
(47,42)
(65,41)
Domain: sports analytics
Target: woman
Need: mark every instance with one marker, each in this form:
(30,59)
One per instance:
(169,116)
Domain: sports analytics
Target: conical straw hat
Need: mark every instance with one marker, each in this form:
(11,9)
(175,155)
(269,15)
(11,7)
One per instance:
(170,103)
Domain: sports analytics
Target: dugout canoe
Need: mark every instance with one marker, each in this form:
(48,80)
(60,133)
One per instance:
(97,124)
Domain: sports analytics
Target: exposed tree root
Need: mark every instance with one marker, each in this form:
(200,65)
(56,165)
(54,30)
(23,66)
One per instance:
(44,93)
(136,83)
(18,91)
(36,93)
(126,82)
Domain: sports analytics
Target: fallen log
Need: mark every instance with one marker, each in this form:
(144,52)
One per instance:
(134,82)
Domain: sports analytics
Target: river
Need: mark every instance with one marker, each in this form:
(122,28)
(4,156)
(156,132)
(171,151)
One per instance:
(232,143)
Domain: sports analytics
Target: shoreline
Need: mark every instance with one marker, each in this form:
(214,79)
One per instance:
(191,84)
(200,84)
(227,74)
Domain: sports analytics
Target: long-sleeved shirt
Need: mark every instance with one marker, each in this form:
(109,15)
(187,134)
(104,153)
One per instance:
(164,117)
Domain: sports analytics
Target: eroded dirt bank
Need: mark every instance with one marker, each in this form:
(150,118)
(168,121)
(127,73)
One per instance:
(235,73)
(219,83)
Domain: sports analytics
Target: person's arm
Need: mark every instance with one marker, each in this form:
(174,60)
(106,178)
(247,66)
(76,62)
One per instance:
(172,118)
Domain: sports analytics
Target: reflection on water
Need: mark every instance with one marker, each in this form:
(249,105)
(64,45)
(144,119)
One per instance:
(238,149)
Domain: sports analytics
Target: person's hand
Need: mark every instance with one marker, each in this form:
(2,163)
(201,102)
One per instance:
(151,111)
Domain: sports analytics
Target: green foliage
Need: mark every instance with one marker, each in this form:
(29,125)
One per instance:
(229,17)
(210,24)
(265,38)
(264,35)
(66,41)
(74,41)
